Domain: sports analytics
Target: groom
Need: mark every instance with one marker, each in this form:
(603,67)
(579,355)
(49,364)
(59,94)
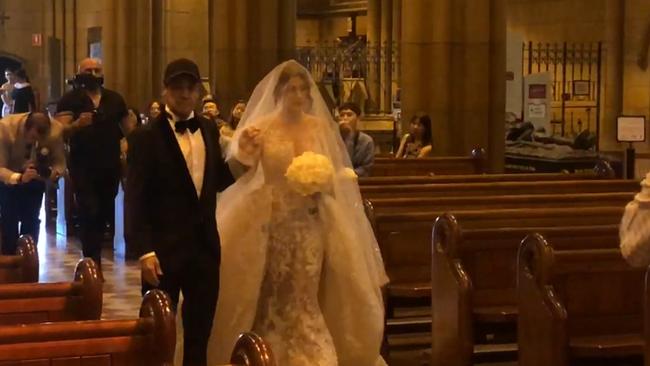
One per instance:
(175,169)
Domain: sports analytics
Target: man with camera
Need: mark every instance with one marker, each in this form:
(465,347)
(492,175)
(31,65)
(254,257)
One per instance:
(92,116)
(31,154)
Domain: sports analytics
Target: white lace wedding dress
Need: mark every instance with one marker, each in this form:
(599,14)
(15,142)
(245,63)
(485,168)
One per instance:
(304,273)
(289,315)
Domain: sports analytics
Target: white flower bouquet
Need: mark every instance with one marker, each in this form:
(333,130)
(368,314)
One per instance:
(310,173)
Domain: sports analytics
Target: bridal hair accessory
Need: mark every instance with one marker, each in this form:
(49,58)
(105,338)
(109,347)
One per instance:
(310,173)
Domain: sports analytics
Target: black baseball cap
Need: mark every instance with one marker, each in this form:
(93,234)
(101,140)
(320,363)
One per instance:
(181,66)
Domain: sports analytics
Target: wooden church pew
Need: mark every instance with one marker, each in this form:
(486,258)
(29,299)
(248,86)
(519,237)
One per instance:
(577,306)
(22,267)
(387,205)
(146,341)
(602,171)
(498,188)
(473,164)
(252,350)
(473,276)
(405,242)
(80,299)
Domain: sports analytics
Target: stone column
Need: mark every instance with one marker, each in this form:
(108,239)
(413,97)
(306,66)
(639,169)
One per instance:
(249,38)
(387,55)
(126,47)
(373,78)
(613,82)
(455,57)
(397,36)
(497,86)
(158,60)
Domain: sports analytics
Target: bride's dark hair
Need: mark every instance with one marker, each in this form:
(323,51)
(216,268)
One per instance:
(289,71)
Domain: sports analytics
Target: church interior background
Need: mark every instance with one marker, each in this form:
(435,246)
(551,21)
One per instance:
(481,69)
(465,63)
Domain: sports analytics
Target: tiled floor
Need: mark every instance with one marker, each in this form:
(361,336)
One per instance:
(59,255)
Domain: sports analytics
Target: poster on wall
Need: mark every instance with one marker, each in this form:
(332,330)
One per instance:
(630,128)
(95,50)
(537,110)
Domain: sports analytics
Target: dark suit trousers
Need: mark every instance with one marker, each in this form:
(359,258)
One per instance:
(20,204)
(198,279)
(96,203)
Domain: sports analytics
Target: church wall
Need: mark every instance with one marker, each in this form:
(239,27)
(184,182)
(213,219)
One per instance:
(27,18)
(636,81)
(311,31)
(558,20)
(186,32)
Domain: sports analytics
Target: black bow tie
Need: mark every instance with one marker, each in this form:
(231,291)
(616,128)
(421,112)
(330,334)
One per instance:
(191,124)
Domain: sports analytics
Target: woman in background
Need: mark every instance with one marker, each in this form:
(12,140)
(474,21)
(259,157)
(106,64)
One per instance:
(418,142)
(153,110)
(23,94)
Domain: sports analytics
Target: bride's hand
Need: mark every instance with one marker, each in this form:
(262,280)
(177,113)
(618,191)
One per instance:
(250,141)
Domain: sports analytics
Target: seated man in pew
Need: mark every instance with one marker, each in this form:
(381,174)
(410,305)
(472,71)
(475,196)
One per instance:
(31,154)
(22,267)
(360,145)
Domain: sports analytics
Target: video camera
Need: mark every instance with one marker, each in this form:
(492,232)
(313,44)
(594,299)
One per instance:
(43,162)
(85,81)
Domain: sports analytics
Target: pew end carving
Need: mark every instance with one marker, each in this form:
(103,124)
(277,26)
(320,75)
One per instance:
(251,350)
(28,303)
(22,267)
(147,341)
(451,310)
(541,324)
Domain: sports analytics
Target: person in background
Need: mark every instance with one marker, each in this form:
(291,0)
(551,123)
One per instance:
(129,124)
(360,146)
(237,113)
(227,130)
(418,142)
(153,110)
(92,116)
(22,94)
(5,92)
(211,111)
(31,154)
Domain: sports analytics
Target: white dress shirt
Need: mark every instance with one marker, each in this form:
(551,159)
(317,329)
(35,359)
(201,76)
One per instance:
(193,149)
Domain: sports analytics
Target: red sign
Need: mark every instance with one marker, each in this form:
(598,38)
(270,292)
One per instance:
(37,39)
(536,91)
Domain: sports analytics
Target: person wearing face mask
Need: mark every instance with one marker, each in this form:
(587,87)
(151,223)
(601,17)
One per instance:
(92,116)
(31,154)
(361,147)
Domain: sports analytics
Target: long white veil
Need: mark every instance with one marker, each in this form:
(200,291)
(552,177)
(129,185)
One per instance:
(353,272)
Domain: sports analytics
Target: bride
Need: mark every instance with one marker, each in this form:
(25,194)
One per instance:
(301,270)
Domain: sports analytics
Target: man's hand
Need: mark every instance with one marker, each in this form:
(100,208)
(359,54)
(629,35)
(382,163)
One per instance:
(85,119)
(250,141)
(150,269)
(29,175)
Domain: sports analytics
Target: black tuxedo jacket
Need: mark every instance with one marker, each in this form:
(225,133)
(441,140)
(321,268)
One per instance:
(162,210)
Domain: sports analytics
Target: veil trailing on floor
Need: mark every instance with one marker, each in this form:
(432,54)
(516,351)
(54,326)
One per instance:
(352,274)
